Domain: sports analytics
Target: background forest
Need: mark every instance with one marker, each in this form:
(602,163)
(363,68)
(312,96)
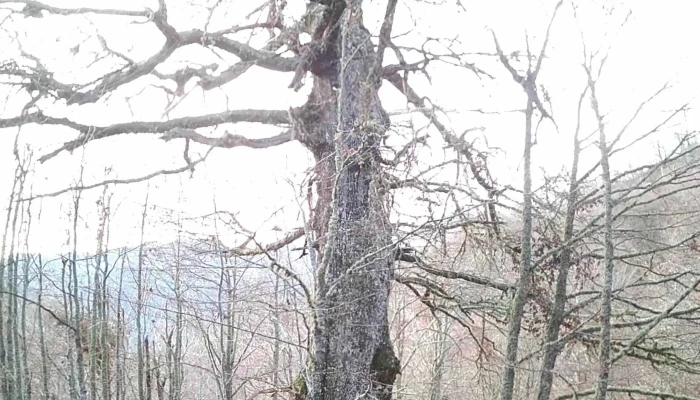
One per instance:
(441,199)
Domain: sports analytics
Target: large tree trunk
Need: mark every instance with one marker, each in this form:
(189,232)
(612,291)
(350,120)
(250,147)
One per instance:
(343,122)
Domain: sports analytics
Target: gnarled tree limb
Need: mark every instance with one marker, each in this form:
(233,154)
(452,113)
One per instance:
(229,140)
(89,133)
(263,249)
(79,94)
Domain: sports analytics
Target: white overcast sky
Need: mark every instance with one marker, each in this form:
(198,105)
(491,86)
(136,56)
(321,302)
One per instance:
(655,46)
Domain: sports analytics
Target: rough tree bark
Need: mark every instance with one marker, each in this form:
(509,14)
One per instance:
(342,124)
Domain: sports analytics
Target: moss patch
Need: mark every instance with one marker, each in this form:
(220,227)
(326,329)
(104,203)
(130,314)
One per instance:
(385,365)
(300,388)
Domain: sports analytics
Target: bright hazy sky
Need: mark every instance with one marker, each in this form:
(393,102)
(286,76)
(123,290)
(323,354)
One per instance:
(651,49)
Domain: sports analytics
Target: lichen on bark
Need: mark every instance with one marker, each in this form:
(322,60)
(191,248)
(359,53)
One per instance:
(343,123)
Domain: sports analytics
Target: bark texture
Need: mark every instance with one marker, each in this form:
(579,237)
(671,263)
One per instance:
(342,124)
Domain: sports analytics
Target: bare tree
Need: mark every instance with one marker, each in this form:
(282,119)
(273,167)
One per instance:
(510,274)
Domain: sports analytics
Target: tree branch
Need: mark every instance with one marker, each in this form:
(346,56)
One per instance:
(630,391)
(262,58)
(37,6)
(188,166)
(229,140)
(450,138)
(286,240)
(384,37)
(55,316)
(43,81)
(89,133)
(466,277)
